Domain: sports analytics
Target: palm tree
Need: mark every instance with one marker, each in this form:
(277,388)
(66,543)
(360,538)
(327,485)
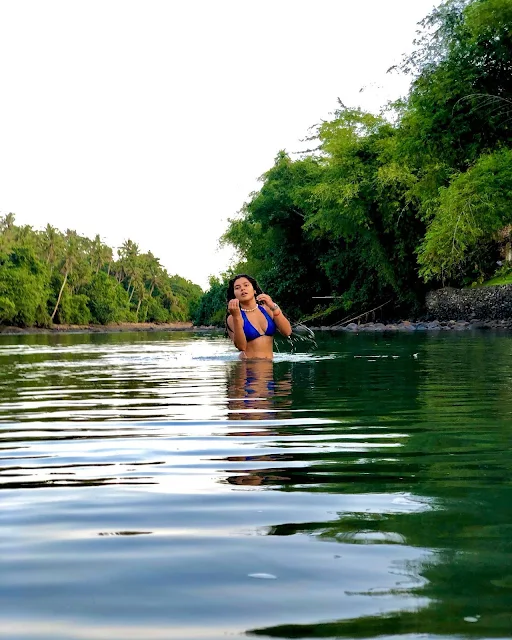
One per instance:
(70,260)
(24,235)
(128,262)
(53,245)
(153,271)
(6,230)
(100,254)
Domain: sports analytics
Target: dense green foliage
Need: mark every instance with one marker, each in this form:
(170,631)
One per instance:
(386,206)
(211,308)
(48,276)
(472,209)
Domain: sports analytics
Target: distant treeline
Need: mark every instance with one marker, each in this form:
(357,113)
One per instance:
(382,208)
(64,278)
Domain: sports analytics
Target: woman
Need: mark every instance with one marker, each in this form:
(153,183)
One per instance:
(253,318)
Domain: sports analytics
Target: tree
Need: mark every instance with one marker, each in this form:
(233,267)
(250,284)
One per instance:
(52,244)
(107,299)
(70,261)
(100,254)
(271,240)
(362,207)
(69,267)
(473,208)
(23,288)
(7,231)
(457,115)
(211,308)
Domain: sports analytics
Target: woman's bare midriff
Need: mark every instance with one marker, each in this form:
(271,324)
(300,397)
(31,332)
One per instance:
(258,348)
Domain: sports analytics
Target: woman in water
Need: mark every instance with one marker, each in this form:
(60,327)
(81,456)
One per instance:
(253,318)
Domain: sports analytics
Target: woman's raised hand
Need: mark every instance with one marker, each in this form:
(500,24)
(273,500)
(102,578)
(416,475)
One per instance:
(234,307)
(264,298)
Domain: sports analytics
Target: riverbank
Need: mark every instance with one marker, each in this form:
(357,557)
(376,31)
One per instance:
(492,303)
(98,328)
(454,310)
(434,325)
(378,327)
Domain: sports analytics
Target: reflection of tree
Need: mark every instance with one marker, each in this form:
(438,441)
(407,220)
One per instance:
(454,459)
(468,577)
(467,582)
(403,623)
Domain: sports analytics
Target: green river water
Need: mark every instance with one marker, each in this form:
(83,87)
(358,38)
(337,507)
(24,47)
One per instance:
(155,487)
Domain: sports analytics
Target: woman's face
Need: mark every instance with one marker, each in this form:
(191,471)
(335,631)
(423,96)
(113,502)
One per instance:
(244,291)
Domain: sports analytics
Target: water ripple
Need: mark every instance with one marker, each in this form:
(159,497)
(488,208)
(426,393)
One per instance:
(147,479)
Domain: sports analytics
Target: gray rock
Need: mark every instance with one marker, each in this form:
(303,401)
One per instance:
(406,326)
(490,303)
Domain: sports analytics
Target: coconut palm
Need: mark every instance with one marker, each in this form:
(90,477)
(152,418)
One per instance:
(71,255)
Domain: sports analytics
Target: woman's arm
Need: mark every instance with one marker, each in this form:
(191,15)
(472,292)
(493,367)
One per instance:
(236,326)
(282,323)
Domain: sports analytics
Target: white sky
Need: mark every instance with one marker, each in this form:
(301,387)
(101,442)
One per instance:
(153,119)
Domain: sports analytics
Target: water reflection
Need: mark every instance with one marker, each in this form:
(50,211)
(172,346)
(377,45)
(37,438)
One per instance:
(257,390)
(145,483)
(456,461)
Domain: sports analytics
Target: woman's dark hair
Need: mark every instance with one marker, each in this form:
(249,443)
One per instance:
(231,286)
(230,294)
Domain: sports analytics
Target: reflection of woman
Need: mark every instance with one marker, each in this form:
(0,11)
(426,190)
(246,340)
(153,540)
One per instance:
(255,394)
(256,478)
(251,387)
(252,391)
(253,318)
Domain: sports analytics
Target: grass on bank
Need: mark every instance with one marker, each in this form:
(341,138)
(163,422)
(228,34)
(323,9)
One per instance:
(500,278)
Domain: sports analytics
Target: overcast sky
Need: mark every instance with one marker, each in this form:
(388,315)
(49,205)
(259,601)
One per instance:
(153,119)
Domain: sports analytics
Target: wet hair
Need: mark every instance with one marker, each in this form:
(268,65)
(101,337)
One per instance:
(230,294)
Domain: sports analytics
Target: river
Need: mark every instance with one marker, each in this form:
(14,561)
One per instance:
(154,487)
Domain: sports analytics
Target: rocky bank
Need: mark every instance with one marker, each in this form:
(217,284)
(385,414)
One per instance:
(452,310)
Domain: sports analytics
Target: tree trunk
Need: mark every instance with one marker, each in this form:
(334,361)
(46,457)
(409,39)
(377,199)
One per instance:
(508,252)
(138,307)
(60,295)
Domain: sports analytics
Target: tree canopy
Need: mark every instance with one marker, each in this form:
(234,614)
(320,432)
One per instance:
(380,209)
(386,206)
(58,277)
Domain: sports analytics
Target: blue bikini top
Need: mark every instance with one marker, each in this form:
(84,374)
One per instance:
(251,333)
